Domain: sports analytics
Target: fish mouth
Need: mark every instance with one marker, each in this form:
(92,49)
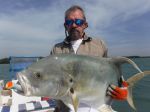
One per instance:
(24,83)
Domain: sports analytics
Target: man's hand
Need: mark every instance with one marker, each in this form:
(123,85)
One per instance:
(118,93)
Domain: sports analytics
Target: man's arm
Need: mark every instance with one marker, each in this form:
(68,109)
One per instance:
(52,52)
(104,48)
(116,92)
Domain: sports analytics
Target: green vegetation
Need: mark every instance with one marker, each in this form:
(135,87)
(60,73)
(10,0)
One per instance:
(4,61)
(137,56)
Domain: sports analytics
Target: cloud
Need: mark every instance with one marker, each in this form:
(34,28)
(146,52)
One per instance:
(38,25)
(34,30)
(105,13)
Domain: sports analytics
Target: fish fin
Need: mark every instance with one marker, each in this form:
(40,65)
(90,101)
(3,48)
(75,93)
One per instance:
(130,98)
(131,81)
(75,100)
(120,60)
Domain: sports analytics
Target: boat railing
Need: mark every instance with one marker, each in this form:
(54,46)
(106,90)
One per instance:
(19,63)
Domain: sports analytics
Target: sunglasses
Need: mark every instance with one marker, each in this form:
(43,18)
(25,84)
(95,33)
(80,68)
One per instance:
(78,22)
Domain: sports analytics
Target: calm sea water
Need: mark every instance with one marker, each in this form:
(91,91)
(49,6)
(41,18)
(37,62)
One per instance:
(141,91)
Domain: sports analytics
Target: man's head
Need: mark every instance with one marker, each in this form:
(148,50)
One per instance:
(75,22)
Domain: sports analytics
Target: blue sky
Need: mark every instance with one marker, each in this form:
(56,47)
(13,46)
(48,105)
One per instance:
(32,27)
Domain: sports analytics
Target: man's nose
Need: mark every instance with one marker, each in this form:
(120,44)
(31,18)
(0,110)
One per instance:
(74,25)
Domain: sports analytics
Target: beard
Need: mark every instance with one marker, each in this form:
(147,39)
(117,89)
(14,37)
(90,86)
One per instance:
(74,34)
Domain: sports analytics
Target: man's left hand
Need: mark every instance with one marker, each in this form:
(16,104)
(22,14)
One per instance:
(118,93)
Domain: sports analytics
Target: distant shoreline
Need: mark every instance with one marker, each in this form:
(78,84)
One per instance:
(137,56)
(6,60)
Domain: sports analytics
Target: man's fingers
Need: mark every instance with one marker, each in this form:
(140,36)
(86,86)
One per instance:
(113,86)
(119,93)
(111,91)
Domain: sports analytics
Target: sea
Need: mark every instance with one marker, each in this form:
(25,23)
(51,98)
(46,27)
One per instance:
(141,90)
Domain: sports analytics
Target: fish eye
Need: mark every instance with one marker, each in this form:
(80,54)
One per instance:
(37,75)
(71,80)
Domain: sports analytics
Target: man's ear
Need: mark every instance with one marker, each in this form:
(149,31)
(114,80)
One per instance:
(65,26)
(85,25)
(66,32)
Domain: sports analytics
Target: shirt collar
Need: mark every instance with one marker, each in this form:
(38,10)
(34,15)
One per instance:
(85,39)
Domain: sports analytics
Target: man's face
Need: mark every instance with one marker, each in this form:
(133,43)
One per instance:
(76,29)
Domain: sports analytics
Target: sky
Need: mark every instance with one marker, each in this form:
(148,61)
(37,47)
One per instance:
(32,27)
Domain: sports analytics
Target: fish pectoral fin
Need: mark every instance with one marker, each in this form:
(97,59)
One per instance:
(74,98)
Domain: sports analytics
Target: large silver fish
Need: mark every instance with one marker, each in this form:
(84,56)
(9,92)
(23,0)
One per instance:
(75,78)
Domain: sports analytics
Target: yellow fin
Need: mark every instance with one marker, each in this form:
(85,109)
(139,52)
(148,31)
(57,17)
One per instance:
(131,81)
(75,100)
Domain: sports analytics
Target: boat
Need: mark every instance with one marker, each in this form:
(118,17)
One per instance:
(11,100)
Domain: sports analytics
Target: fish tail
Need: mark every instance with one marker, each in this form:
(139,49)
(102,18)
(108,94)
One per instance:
(131,81)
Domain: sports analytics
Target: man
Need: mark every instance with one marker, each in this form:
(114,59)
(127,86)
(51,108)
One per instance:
(77,42)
